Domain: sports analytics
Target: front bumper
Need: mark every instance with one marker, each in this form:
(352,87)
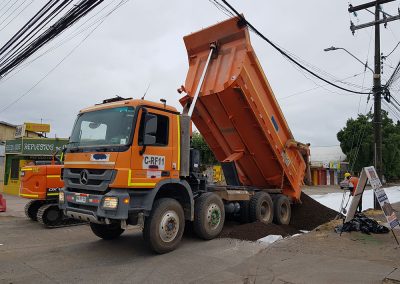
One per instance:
(89,207)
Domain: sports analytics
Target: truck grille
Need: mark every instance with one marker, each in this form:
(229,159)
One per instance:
(88,180)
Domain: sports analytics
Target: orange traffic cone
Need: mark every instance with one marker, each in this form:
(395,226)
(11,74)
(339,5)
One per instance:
(3,204)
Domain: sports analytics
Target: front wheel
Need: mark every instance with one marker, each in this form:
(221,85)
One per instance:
(209,216)
(163,229)
(106,232)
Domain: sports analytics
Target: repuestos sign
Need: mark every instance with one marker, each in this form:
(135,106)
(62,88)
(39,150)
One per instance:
(35,146)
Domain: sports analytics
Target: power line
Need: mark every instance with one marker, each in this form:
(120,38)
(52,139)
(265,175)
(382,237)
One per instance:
(15,2)
(62,60)
(2,7)
(317,87)
(355,155)
(26,42)
(390,110)
(230,14)
(16,15)
(44,77)
(285,54)
(72,36)
(13,12)
(390,53)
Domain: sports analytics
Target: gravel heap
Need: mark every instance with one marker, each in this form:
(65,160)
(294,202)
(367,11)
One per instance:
(306,216)
(310,214)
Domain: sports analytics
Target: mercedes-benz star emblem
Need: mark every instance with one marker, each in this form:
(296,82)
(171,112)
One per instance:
(84,177)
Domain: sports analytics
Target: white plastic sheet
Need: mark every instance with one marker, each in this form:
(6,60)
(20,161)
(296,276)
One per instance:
(270,239)
(333,200)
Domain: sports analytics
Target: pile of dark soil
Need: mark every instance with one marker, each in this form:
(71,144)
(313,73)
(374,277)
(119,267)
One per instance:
(310,214)
(255,231)
(306,216)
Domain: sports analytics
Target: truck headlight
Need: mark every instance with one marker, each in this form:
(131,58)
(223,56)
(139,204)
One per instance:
(110,202)
(61,196)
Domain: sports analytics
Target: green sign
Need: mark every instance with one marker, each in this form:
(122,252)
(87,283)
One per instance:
(39,146)
(14,146)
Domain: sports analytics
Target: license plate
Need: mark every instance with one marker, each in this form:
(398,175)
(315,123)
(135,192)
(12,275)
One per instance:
(80,199)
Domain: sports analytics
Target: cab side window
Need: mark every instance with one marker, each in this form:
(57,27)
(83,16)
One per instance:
(162,130)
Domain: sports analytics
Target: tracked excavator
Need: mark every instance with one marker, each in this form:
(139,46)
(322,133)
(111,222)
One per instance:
(41,182)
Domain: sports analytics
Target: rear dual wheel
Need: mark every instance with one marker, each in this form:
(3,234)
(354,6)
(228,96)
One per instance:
(261,208)
(265,209)
(282,210)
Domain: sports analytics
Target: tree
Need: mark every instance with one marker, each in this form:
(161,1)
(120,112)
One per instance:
(357,142)
(206,155)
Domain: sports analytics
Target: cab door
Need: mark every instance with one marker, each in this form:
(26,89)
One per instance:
(152,163)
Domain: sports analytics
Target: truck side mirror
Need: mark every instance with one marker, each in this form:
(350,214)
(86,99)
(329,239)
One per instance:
(150,129)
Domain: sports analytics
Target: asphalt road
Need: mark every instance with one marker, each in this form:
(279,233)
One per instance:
(30,253)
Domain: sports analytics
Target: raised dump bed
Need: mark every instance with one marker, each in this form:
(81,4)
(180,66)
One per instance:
(237,112)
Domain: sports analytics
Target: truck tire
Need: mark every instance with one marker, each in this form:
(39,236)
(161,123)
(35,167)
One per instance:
(50,215)
(261,208)
(107,232)
(164,228)
(31,209)
(282,210)
(209,216)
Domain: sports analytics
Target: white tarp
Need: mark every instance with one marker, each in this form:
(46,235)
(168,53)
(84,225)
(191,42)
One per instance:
(270,239)
(333,200)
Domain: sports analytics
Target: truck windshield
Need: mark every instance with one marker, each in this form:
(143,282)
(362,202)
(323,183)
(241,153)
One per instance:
(106,127)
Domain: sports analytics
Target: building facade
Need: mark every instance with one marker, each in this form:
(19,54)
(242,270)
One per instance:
(7,132)
(327,165)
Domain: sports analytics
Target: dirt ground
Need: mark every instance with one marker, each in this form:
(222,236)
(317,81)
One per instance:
(31,254)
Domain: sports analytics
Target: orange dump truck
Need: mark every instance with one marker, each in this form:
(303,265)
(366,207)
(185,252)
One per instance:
(41,183)
(129,161)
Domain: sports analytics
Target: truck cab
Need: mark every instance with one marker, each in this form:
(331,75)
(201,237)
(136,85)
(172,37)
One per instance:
(123,155)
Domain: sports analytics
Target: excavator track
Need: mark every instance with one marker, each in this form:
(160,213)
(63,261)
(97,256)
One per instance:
(32,207)
(50,216)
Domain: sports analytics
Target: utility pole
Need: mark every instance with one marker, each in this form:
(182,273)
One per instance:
(377,90)
(377,87)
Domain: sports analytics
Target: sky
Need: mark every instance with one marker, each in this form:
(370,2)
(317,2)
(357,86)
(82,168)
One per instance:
(140,44)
